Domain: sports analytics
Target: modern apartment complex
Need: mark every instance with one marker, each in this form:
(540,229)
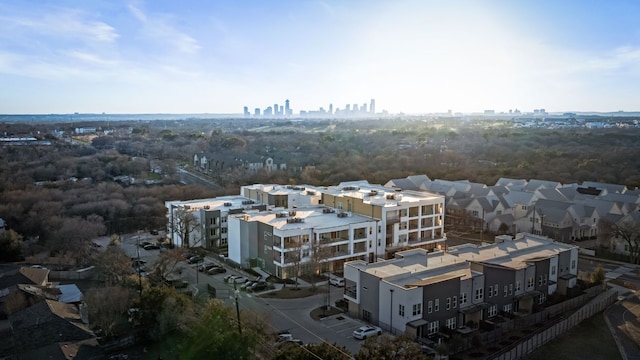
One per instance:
(420,292)
(204,220)
(313,239)
(354,220)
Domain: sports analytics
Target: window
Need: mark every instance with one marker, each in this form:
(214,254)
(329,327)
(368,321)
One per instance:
(366,316)
(451,323)
(530,282)
(506,289)
(510,289)
(492,311)
(495,290)
(540,280)
(507,308)
(455,301)
(401,310)
(463,298)
(553,270)
(573,264)
(448,303)
(479,294)
(417,309)
(490,292)
(437,305)
(544,279)
(433,327)
(518,285)
(542,298)
(430,307)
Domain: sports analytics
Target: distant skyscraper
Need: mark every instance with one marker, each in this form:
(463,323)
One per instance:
(372,107)
(275,109)
(246,112)
(355,107)
(256,112)
(364,108)
(347,108)
(287,109)
(330,109)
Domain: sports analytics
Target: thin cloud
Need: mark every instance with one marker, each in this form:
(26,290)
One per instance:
(158,28)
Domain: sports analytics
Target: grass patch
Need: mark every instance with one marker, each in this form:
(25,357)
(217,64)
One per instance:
(591,339)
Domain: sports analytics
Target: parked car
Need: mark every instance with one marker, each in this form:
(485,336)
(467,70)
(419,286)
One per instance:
(144,243)
(366,331)
(153,232)
(229,278)
(216,270)
(195,259)
(247,284)
(260,285)
(240,279)
(206,267)
(339,282)
(151,247)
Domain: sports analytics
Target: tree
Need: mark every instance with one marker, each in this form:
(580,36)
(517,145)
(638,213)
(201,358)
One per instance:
(108,308)
(114,265)
(167,262)
(597,276)
(293,256)
(215,335)
(626,229)
(183,223)
(10,246)
(163,310)
(319,255)
(322,350)
(402,347)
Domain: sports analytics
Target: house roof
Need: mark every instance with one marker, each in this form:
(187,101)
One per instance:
(513,184)
(611,188)
(535,184)
(67,350)
(36,275)
(48,322)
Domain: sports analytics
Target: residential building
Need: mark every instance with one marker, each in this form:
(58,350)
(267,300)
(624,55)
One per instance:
(207,223)
(407,218)
(420,292)
(311,239)
(286,196)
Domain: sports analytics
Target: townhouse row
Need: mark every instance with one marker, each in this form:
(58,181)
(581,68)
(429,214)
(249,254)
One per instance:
(419,292)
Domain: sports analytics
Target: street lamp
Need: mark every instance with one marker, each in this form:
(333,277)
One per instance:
(391,312)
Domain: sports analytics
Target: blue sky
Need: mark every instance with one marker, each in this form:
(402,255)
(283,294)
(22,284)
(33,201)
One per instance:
(416,56)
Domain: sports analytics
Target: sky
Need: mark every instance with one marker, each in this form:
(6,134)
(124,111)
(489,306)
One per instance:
(412,56)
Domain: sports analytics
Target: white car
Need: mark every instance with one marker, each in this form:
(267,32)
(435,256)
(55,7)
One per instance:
(366,331)
(339,282)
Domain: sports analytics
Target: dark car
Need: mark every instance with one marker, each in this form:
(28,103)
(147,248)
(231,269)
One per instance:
(216,270)
(206,267)
(195,259)
(151,247)
(153,232)
(259,286)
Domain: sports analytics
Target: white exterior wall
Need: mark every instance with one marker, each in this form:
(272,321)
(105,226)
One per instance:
(400,296)
(234,239)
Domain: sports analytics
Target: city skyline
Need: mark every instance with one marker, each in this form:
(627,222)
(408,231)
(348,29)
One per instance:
(412,56)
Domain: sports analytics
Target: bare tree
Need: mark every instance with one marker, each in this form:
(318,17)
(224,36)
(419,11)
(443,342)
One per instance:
(626,229)
(167,262)
(293,255)
(114,265)
(184,223)
(108,308)
(319,255)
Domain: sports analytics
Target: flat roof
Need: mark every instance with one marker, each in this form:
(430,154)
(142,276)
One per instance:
(222,202)
(309,217)
(379,194)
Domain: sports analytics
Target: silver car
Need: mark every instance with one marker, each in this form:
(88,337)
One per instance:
(366,331)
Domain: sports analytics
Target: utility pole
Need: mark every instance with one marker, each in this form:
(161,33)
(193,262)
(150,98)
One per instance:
(236,293)
(138,264)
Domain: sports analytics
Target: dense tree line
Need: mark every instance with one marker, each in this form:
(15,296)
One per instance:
(47,190)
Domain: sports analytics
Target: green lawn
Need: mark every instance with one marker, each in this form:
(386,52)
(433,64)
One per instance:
(591,339)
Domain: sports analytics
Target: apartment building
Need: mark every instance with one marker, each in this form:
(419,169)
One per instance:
(286,196)
(205,220)
(420,292)
(408,219)
(311,239)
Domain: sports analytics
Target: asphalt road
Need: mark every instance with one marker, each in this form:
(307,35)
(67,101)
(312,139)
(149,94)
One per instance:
(190,178)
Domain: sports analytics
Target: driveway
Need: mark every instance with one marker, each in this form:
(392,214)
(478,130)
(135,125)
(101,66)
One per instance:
(622,318)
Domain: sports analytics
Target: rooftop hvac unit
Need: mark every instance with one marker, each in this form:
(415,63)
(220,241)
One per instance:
(342,214)
(227,204)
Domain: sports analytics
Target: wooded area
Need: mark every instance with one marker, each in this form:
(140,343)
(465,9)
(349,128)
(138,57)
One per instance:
(63,194)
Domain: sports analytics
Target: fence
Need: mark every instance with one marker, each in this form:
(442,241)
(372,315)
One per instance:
(539,338)
(80,274)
